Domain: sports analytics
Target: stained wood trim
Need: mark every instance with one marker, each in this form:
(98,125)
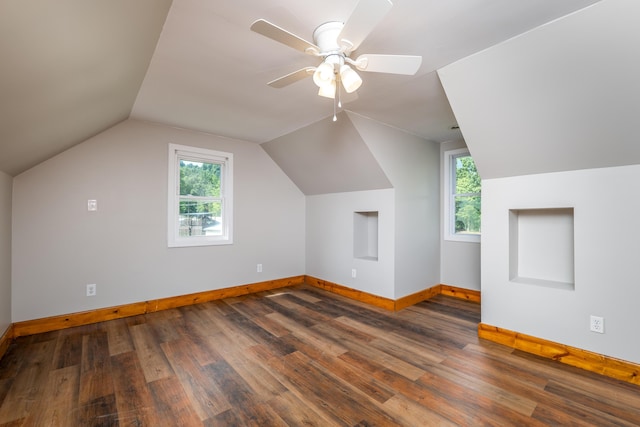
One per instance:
(354,294)
(390,304)
(36,326)
(468,294)
(594,362)
(413,299)
(5,340)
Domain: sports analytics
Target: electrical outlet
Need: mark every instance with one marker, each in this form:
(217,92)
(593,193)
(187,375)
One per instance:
(92,205)
(597,324)
(91,290)
(259,268)
(353,273)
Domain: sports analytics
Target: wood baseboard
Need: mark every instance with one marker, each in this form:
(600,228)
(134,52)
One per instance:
(394,305)
(5,340)
(468,294)
(354,294)
(414,299)
(584,359)
(30,327)
(48,324)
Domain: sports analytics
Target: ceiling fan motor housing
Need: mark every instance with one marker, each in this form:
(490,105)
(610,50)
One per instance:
(326,37)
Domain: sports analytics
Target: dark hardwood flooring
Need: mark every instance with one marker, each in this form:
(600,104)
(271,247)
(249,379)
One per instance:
(298,356)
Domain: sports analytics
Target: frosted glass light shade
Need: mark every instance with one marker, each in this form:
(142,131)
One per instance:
(350,79)
(324,75)
(329,90)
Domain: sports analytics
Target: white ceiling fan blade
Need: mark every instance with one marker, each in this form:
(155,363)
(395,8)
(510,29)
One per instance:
(283,36)
(364,18)
(292,77)
(394,64)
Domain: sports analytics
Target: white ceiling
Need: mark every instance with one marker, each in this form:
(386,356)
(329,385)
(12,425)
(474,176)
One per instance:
(69,69)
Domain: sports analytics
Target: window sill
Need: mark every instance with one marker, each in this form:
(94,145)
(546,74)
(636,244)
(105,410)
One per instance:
(199,242)
(464,238)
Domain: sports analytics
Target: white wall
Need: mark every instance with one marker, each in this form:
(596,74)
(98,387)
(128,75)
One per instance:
(5,251)
(560,97)
(59,247)
(412,165)
(606,256)
(547,117)
(329,240)
(459,261)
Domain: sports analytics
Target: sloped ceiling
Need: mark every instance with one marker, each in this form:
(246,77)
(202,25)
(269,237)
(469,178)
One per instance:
(562,97)
(69,69)
(322,159)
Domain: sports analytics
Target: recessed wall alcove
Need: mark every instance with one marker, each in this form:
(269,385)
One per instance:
(365,235)
(541,247)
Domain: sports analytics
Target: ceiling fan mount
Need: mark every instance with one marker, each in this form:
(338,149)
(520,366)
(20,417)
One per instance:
(334,42)
(325,37)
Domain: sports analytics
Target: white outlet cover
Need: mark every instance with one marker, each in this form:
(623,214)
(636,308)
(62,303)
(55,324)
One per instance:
(596,324)
(92,205)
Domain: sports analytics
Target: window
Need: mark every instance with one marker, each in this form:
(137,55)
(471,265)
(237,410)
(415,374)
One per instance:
(462,197)
(200,205)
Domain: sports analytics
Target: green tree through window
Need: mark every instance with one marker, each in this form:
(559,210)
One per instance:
(466,195)
(200,202)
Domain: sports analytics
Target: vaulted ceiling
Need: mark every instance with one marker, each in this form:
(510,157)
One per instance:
(70,69)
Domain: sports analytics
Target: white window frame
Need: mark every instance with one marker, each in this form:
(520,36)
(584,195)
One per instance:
(449,198)
(178,152)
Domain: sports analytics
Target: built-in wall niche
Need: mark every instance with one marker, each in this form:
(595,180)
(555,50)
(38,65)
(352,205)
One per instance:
(365,235)
(541,247)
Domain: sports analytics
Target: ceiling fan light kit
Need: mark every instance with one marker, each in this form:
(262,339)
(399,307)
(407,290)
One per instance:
(327,74)
(351,81)
(324,74)
(329,90)
(334,42)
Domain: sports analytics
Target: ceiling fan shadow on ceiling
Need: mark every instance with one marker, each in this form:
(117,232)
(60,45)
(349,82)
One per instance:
(334,42)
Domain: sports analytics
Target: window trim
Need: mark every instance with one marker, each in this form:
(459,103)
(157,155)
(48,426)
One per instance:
(449,199)
(178,152)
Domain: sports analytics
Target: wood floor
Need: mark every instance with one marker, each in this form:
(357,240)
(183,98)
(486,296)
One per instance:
(299,356)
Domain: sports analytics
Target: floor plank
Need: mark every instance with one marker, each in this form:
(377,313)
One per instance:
(60,407)
(298,357)
(154,364)
(133,396)
(206,397)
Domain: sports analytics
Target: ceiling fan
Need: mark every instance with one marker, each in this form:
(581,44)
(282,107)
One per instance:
(334,42)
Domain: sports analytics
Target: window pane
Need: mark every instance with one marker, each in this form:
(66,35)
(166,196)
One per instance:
(467,214)
(199,179)
(200,218)
(467,179)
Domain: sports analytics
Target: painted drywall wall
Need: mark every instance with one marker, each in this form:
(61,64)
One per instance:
(6,183)
(605,259)
(327,157)
(330,240)
(459,261)
(560,97)
(412,165)
(59,247)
